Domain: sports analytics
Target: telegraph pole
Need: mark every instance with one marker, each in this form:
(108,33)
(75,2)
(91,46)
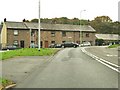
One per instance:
(39,29)
(81,26)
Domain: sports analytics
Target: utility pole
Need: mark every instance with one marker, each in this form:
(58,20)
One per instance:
(39,29)
(30,37)
(81,26)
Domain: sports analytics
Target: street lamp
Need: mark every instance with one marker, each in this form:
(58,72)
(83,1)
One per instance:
(80,26)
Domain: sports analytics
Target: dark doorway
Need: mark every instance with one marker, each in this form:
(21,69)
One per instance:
(41,44)
(46,44)
(22,44)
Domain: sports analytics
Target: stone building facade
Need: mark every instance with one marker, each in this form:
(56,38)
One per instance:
(23,34)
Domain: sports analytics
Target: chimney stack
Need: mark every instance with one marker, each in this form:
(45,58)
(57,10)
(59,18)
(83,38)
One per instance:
(5,19)
(24,20)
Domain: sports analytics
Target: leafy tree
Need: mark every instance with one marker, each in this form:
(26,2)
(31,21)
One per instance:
(84,22)
(103,19)
(34,20)
(104,25)
(99,42)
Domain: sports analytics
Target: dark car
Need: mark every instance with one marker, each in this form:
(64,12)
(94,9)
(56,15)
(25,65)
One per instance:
(11,47)
(69,44)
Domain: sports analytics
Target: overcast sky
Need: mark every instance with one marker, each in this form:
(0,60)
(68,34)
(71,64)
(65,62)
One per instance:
(17,10)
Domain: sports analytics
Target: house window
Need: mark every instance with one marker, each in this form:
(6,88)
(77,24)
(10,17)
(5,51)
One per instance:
(32,33)
(15,42)
(87,34)
(63,33)
(78,42)
(52,42)
(15,32)
(63,41)
(53,33)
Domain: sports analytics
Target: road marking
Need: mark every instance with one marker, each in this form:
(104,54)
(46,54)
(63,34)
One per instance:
(115,69)
(109,63)
(111,55)
(104,62)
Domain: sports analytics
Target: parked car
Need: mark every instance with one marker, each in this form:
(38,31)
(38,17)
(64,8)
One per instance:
(70,44)
(10,47)
(58,45)
(32,45)
(85,44)
(55,46)
(52,46)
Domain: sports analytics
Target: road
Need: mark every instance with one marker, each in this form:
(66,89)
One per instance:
(71,68)
(109,54)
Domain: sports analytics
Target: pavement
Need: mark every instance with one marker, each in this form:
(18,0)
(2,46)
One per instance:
(18,68)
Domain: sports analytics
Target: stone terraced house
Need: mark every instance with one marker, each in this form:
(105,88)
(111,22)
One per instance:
(22,34)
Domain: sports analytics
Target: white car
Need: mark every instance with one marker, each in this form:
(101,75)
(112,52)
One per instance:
(85,44)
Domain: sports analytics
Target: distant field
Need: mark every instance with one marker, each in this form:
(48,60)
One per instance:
(28,52)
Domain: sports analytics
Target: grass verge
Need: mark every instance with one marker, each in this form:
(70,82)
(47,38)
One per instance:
(5,82)
(114,46)
(28,52)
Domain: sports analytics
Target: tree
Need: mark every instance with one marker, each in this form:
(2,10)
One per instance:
(103,19)
(102,24)
(34,20)
(99,42)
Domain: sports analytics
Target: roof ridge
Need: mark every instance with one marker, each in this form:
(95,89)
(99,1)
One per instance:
(32,25)
(13,22)
(45,23)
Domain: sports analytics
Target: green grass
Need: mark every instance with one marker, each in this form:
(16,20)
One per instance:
(5,82)
(114,46)
(28,52)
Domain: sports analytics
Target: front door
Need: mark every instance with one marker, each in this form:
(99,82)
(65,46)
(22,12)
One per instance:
(46,44)
(22,44)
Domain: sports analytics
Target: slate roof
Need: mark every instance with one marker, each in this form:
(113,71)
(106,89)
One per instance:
(108,36)
(44,26)
(16,25)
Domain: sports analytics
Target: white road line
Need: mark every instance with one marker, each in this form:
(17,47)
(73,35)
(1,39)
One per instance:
(109,66)
(111,55)
(104,62)
(109,63)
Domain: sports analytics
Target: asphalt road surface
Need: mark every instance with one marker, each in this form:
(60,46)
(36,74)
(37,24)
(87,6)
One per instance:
(109,54)
(71,68)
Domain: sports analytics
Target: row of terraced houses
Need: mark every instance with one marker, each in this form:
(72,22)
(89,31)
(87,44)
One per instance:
(22,34)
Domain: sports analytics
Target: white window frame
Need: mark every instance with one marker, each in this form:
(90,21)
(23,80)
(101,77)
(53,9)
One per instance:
(52,33)
(15,32)
(15,42)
